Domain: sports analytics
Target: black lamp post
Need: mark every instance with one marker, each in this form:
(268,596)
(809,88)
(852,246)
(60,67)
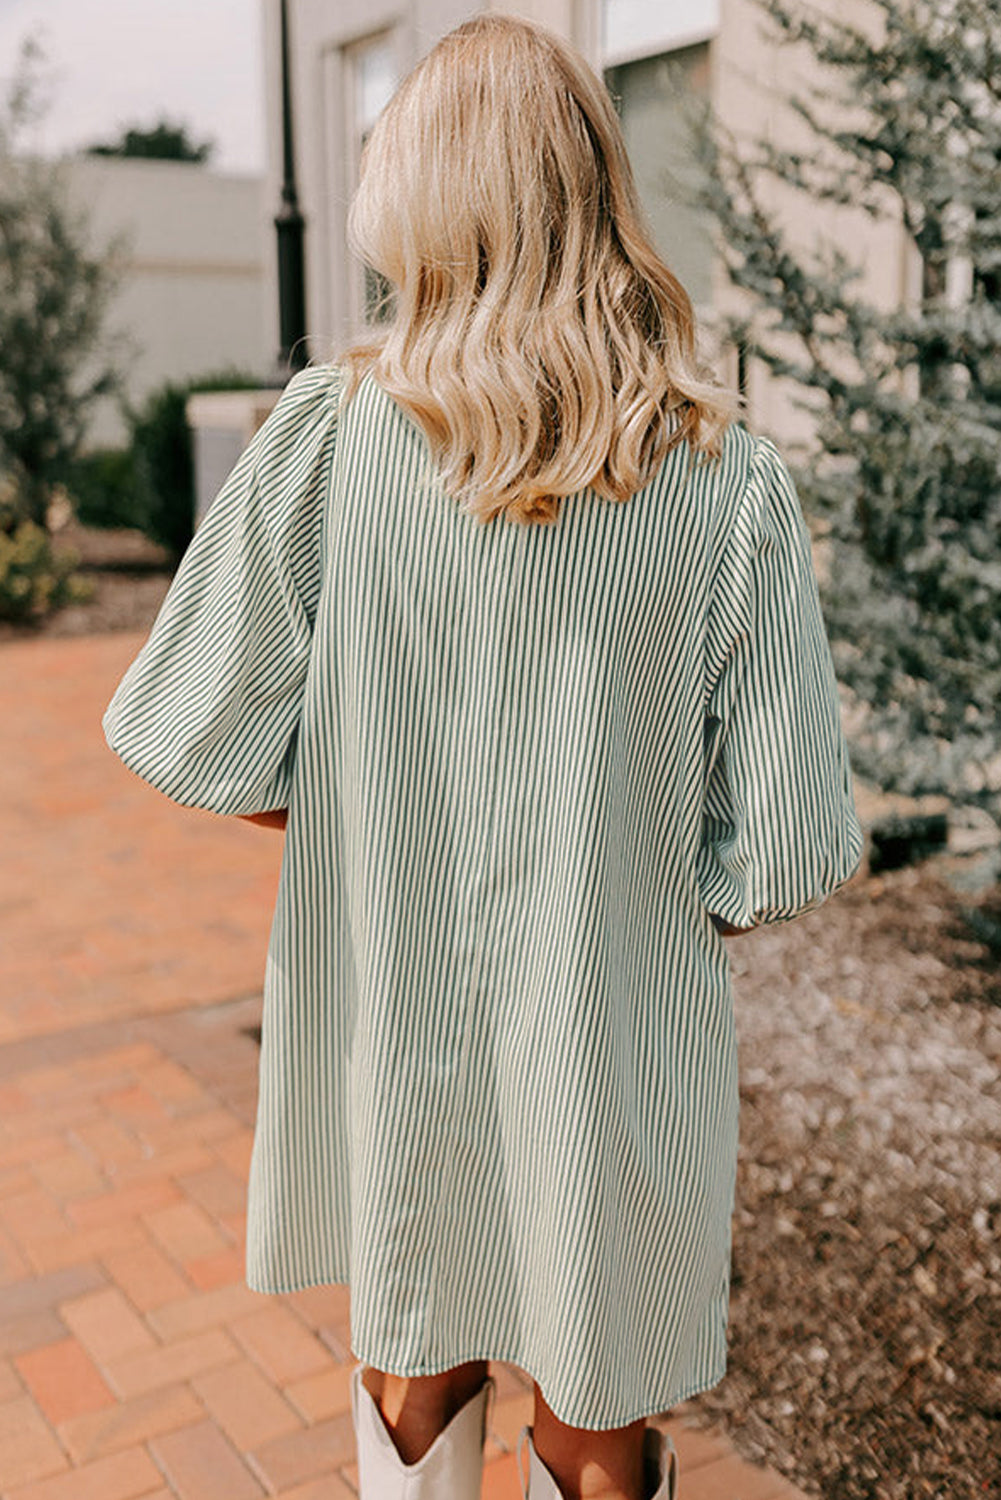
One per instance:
(290,226)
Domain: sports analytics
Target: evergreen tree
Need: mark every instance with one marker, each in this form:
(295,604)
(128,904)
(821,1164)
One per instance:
(907,481)
(55,360)
(163,141)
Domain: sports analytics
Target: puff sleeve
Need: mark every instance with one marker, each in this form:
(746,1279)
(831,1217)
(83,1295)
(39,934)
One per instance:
(208,711)
(780,831)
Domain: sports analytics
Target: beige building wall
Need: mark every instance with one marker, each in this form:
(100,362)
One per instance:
(191,297)
(715,46)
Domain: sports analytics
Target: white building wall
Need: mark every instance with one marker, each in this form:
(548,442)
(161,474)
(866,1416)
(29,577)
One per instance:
(191,295)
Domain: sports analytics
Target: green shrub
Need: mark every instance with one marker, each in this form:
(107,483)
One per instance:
(163,457)
(34,579)
(230,379)
(104,488)
(164,468)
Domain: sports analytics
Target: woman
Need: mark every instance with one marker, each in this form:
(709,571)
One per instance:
(517,629)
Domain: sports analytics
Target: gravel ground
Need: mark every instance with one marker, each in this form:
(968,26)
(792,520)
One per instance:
(865,1333)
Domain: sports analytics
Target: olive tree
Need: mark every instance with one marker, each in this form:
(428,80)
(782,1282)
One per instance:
(56,358)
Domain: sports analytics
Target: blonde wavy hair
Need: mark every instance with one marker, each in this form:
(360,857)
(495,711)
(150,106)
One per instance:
(538,338)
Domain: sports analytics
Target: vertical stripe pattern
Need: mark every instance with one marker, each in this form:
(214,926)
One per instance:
(498,1091)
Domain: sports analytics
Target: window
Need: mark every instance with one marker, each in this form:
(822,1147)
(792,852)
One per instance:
(371,76)
(652,94)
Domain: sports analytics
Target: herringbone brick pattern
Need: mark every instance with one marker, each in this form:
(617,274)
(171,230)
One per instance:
(135,1364)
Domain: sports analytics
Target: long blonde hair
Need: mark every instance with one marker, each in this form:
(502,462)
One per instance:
(538,338)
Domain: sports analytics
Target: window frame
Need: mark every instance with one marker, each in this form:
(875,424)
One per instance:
(666,41)
(702,306)
(355,136)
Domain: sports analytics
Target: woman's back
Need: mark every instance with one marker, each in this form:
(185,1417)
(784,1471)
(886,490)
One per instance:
(519,708)
(524,766)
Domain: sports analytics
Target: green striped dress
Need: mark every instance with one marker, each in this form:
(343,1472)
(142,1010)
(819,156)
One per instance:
(498,1083)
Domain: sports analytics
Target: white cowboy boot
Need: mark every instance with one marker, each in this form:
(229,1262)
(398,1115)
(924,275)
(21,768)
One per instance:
(660,1468)
(451,1469)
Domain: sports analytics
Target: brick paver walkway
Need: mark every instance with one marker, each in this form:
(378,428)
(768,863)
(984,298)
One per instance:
(134,1360)
(114,901)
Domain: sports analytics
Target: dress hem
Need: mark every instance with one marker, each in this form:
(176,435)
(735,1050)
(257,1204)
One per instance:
(659,1408)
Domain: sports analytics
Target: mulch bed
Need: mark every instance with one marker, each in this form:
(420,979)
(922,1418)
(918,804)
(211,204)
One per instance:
(865,1356)
(865,1330)
(127,577)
